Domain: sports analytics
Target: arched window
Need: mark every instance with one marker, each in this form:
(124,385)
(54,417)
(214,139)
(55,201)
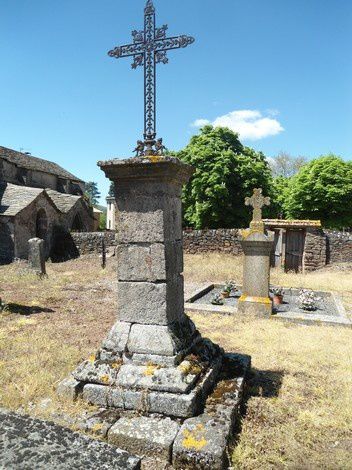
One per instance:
(41,224)
(77,224)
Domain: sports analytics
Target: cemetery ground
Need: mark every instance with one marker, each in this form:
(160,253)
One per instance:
(298,409)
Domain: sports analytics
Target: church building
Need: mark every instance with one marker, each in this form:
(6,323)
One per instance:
(38,198)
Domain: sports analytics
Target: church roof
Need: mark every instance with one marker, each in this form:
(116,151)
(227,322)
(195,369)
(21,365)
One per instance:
(64,202)
(13,198)
(23,160)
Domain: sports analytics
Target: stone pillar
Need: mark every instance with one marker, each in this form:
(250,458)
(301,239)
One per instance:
(257,247)
(36,255)
(153,359)
(149,252)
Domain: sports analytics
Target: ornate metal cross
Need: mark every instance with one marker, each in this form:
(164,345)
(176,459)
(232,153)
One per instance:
(148,49)
(257,201)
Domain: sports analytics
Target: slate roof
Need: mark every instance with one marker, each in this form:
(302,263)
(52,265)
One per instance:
(33,163)
(13,198)
(64,202)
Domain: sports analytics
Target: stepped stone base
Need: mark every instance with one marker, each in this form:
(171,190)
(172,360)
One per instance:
(187,442)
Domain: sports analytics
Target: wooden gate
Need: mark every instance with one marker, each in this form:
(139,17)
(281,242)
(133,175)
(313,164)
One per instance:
(294,250)
(276,253)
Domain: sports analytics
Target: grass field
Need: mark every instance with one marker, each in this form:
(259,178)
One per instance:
(298,411)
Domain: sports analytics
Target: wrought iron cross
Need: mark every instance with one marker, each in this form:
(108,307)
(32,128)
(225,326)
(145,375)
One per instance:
(257,201)
(148,49)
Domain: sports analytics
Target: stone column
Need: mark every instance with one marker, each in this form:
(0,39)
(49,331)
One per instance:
(257,247)
(150,253)
(36,255)
(153,359)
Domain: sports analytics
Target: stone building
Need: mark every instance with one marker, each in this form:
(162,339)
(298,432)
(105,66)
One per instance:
(38,198)
(110,213)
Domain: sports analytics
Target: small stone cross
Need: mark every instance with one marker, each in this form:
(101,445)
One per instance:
(257,201)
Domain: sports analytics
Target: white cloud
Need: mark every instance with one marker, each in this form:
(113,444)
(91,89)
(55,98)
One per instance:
(249,124)
(200,123)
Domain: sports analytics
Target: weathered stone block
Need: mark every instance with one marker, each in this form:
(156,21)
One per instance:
(95,372)
(201,444)
(69,388)
(152,377)
(149,262)
(117,338)
(96,394)
(164,361)
(151,221)
(152,339)
(36,255)
(149,303)
(145,435)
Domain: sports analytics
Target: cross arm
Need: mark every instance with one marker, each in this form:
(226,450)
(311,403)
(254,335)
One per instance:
(127,50)
(175,42)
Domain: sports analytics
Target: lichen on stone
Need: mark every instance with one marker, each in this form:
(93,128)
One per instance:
(194,439)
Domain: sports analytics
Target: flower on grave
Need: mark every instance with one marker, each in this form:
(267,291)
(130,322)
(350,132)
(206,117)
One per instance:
(278,290)
(217,300)
(308,300)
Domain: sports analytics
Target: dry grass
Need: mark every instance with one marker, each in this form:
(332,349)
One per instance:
(299,404)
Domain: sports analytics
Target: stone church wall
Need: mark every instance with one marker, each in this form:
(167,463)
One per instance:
(25,225)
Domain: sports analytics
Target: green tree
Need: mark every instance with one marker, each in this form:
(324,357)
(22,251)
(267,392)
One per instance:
(112,190)
(322,189)
(225,173)
(92,192)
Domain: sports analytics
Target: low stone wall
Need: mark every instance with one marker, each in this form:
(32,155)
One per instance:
(91,242)
(321,246)
(339,246)
(220,241)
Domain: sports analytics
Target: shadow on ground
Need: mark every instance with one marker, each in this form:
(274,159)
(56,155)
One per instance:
(26,310)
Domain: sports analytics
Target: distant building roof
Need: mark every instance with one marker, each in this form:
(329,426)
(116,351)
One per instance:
(13,198)
(23,160)
(64,202)
(282,223)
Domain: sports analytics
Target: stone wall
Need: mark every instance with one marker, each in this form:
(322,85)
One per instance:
(220,241)
(315,250)
(91,242)
(321,246)
(339,246)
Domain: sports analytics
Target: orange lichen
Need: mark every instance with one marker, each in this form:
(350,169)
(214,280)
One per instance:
(105,379)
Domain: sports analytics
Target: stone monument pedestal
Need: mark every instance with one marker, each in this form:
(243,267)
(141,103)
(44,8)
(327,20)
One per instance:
(154,367)
(256,272)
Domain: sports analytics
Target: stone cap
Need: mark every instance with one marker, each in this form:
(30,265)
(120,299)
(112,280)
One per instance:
(282,223)
(157,168)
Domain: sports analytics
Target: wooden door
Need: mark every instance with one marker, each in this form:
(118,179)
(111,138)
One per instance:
(294,250)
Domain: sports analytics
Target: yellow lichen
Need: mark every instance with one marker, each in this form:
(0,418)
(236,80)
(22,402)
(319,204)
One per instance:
(97,427)
(194,439)
(116,365)
(105,379)
(154,158)
(91,358)
(150,369)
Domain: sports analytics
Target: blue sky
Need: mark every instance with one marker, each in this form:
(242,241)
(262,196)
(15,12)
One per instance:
(279,71)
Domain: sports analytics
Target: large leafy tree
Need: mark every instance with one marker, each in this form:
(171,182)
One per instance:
(322,189)
(225,173)
(92,192)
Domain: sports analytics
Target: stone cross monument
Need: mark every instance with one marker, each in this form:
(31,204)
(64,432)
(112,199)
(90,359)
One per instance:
(257,246)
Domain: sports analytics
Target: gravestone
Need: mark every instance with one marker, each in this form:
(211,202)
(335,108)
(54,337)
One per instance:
(36,255)
(257,246)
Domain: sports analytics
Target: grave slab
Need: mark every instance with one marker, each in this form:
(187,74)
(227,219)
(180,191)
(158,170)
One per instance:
(28,443)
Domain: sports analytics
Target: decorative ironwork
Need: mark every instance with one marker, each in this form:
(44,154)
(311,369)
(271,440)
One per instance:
(149,48)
